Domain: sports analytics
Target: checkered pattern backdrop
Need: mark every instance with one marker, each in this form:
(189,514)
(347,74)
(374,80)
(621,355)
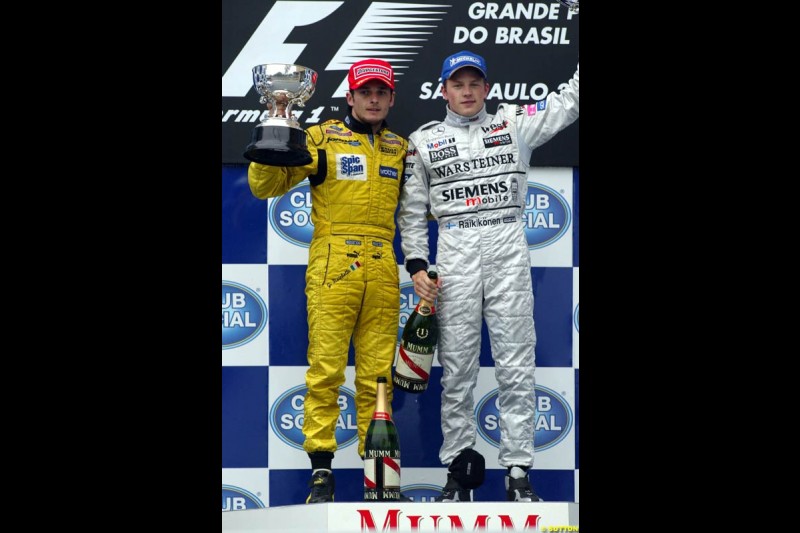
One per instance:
(264,340)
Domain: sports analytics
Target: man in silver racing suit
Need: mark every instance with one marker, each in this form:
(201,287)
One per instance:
(470,173)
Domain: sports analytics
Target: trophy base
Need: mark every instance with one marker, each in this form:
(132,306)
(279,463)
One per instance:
(279,146)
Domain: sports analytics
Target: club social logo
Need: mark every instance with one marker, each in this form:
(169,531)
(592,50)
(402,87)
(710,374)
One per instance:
(553,419)
(547,216)
(244,314)
(286,417)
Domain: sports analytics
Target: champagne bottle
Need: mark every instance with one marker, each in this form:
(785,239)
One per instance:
(381,452)
(417,346)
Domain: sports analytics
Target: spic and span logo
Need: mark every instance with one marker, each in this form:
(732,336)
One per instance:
(237,499)
(244,315)
(547,216)
(553,419)
(286,417)
(290,215)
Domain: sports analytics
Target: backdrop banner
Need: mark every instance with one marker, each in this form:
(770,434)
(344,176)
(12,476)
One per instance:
(531,49)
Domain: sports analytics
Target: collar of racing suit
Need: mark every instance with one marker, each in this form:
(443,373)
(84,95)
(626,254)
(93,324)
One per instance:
(454,119)
(360,127)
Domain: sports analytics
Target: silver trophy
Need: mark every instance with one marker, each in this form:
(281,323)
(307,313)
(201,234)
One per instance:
(279,140)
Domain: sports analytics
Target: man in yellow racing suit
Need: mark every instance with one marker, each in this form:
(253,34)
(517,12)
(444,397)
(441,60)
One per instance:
(352,282)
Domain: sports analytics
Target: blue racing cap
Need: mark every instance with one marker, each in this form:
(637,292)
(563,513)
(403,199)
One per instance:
(460,60)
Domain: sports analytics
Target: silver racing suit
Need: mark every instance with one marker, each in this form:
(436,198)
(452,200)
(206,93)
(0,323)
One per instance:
(470,174)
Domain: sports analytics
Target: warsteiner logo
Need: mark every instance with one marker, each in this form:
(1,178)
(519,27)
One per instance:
(553,418)
(244,315)
(286,417)
(237,499)
(290,215)
(547,216)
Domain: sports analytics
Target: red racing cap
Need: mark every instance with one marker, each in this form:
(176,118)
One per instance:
(370,69)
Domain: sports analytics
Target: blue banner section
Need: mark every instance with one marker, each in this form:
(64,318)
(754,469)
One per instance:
(244,219)
(552,312)
(577,418)
(288,338)
(433,241)
(576,202)
(412,412)
(244,416)
(274,340)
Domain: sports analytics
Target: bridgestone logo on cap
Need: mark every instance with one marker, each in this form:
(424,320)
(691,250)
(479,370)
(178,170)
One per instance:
(363,71)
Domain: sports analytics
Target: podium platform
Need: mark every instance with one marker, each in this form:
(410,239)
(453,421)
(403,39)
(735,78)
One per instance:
(357,517)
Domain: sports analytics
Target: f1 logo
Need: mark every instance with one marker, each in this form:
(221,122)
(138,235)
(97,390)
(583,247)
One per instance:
(270,35)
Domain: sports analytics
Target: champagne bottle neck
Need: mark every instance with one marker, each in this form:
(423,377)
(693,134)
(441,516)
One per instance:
(381,411)
(425,308)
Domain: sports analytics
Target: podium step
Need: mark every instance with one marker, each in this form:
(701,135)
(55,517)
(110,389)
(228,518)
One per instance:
(355,517)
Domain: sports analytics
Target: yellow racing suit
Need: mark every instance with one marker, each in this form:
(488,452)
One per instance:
(352,282)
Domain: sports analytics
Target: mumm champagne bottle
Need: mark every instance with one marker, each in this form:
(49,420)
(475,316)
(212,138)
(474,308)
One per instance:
(381,452)
(417,346)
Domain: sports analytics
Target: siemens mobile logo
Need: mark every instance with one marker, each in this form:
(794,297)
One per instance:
(478,194)
(421,492)
(237,499)
(290,215)
(286,417)
(244,315)
(552,421)
(575,318)
(497,140)
(547,216)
